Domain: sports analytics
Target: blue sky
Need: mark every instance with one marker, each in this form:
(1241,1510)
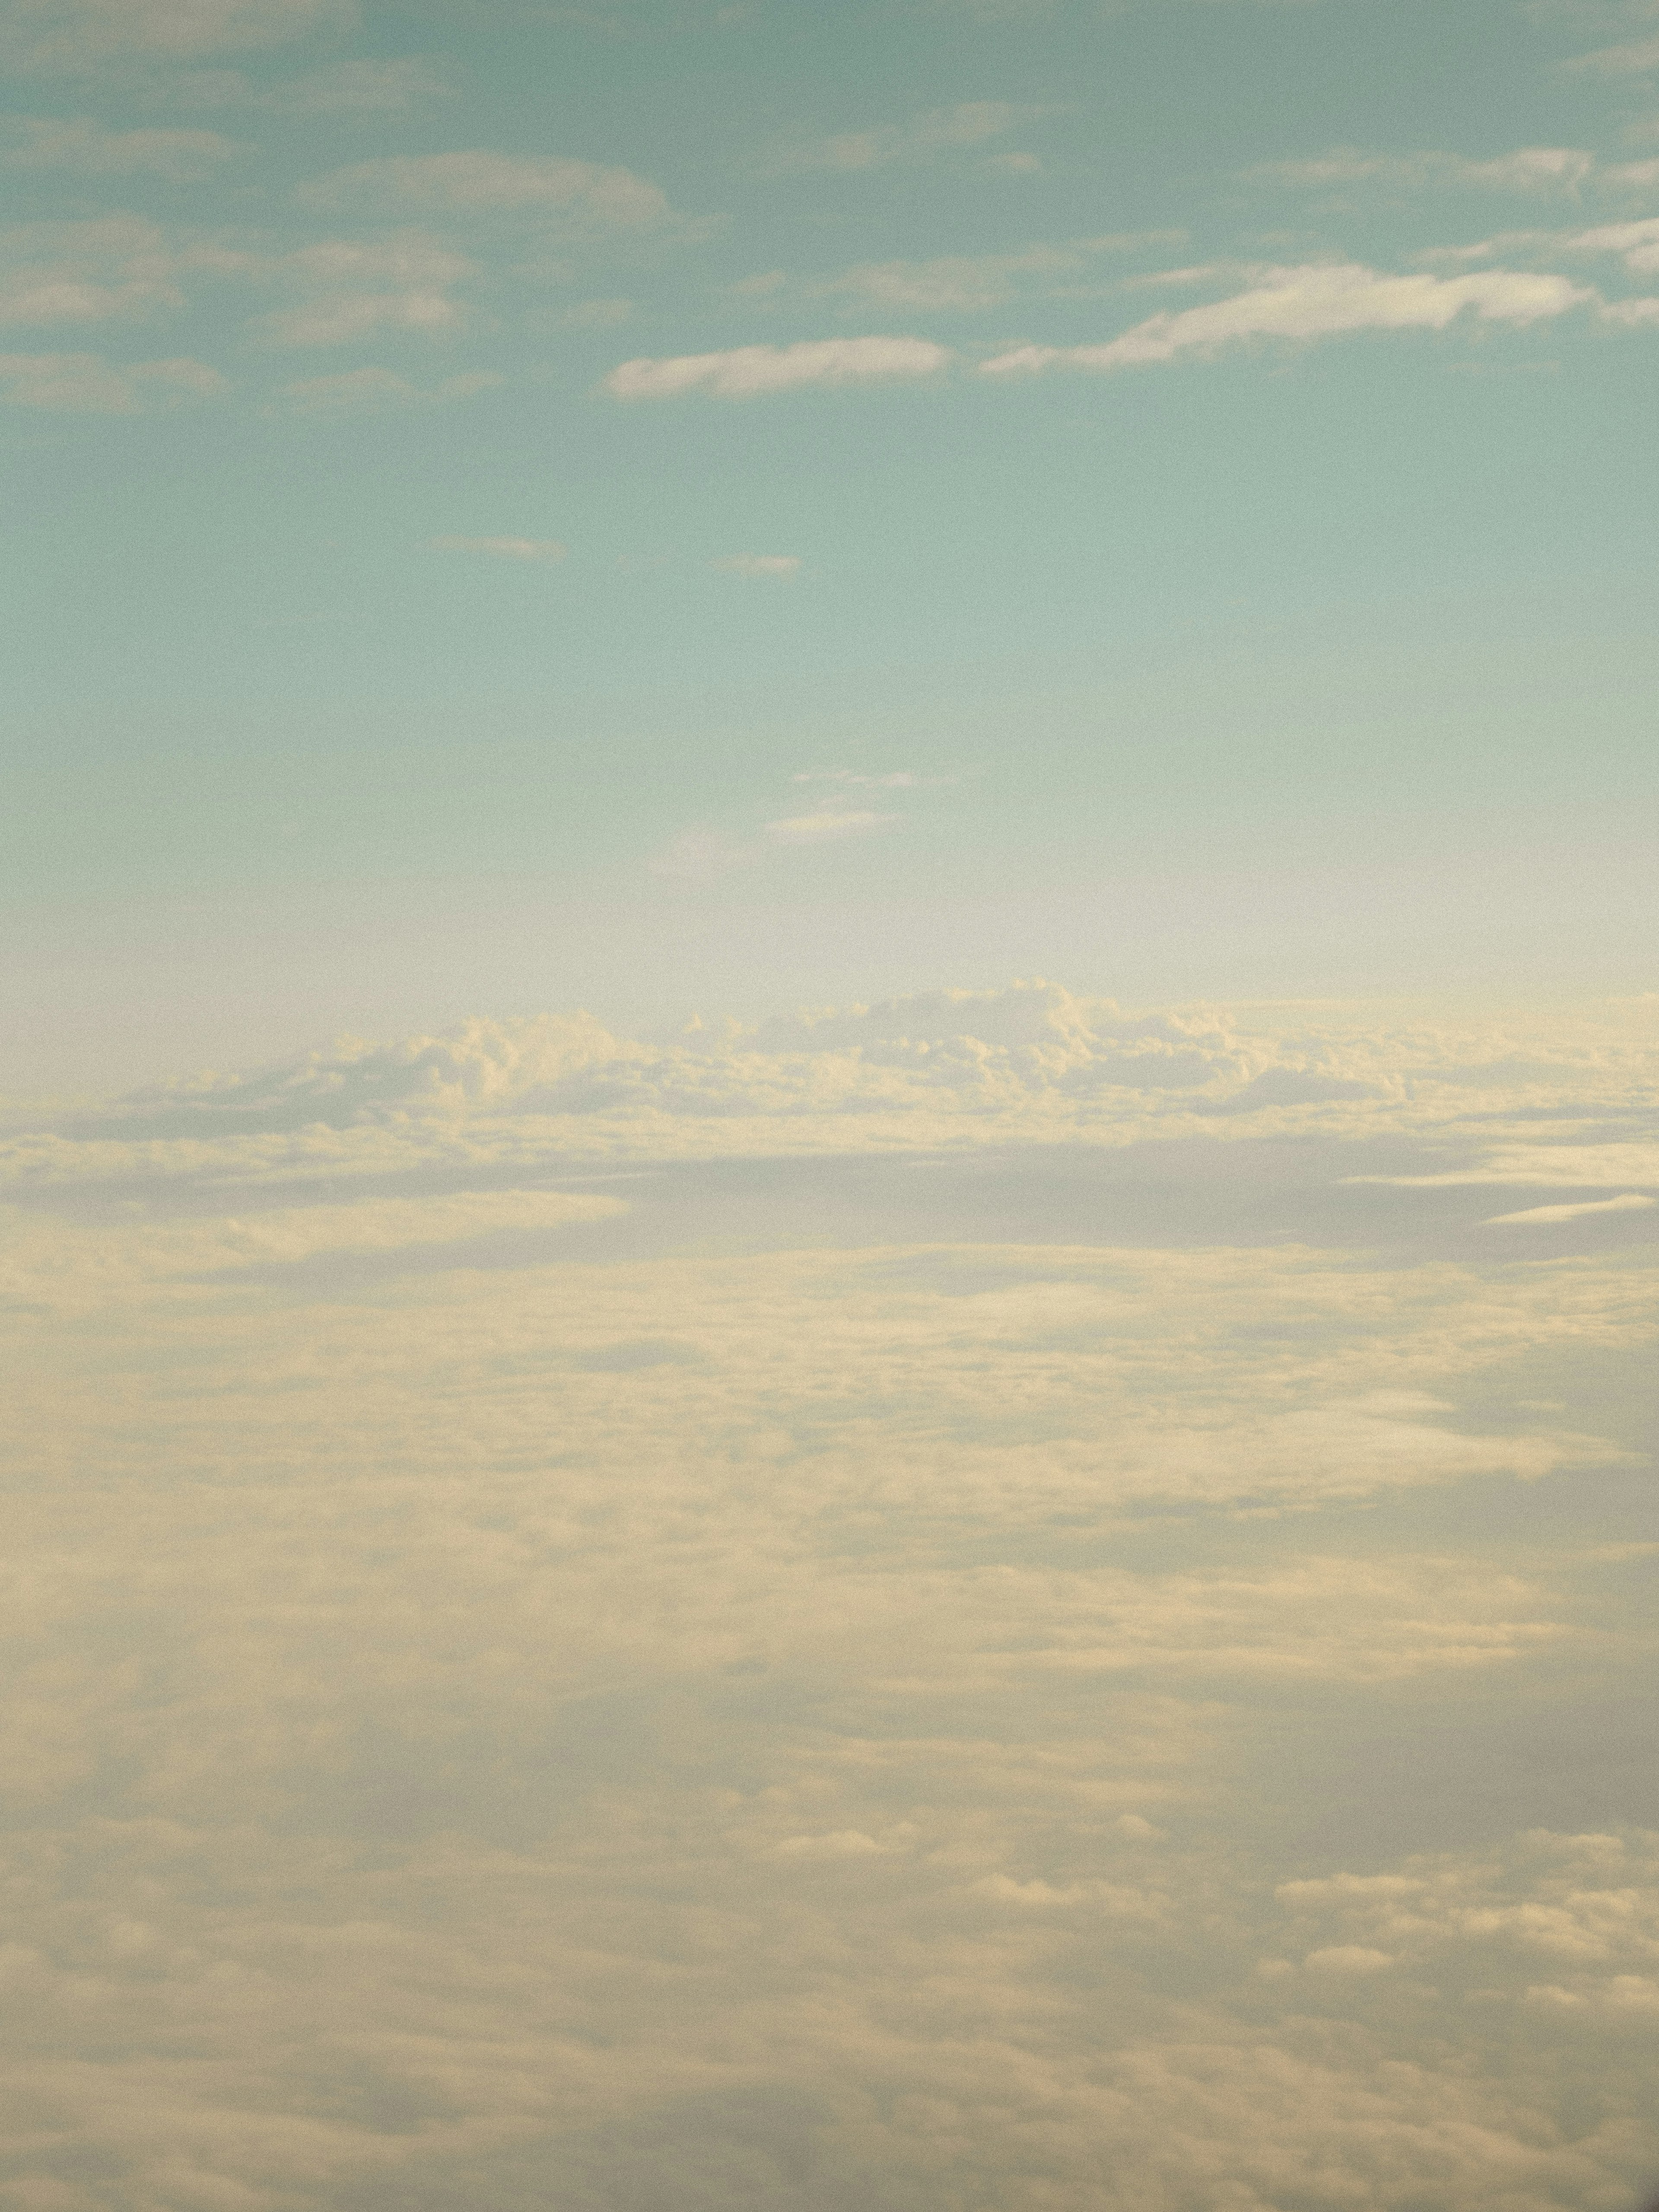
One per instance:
(344,565)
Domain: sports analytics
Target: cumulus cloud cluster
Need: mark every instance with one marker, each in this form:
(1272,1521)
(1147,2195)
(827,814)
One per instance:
(825,1613)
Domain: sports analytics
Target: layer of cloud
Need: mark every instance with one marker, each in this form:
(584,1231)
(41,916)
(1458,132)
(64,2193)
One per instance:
(776,568)
(621,1610)
(354,391)
(503,549)
(974,282)
(1529,169)
(482,183)
(89,383)
(967,127)
(1317,300)
(86,148)
(752,372)
(76,34)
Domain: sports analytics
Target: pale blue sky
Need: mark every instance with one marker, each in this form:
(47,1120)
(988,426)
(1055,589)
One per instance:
(295,295)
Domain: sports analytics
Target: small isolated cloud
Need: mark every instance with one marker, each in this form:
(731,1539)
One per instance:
(86,384)
(503,549)
(1630,1202)
(1316,301)
(923,137)
(826,826)
(748,372)
(76,34)
(852,778)
(485,183)
(1528,169)
(354,389)
(777,565)
(86,150)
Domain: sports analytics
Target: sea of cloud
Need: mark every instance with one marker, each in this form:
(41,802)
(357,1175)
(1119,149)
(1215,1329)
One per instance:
(984,1602)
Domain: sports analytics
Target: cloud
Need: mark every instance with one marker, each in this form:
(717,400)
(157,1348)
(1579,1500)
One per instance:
(778,566)
(1637,244)
(964,128)
(1623,1205)
(111,267)
(484,183)
(1635,59)
(970,283)
(84,147)
(362,88)
(749,372)
(1318,300)
(503,549)
(1530,169)
(76,34)
(352,290)
(88,384)
(354,389)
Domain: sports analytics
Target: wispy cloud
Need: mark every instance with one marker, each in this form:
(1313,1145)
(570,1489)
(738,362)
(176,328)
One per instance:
(77,34)
(968,283)
(503,549)
(964,128)
(485,183)
(779,567)
(1313,301)
(88,384)
(358,390)
(85,148)
(1631,1201)
(1529,169)
(749,372)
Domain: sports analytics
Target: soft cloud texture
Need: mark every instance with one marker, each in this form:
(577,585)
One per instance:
(84,147)
(1299,305)
(88,384)
(749,372)
(967,127)
(76,34)
(484,183)
(825,1612)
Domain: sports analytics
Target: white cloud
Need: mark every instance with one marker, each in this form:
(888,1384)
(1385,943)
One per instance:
(485,183)
(86,148)
(969,282)
(964,128)
(1631,1200)
(1637,244)
(777,565)
(351,290)
(1634,59)
(1317,300)
(747,372)
(88,384)
(352,389)
(362,88)
(111,267)
(1529,169)
(503,549)
(73,34)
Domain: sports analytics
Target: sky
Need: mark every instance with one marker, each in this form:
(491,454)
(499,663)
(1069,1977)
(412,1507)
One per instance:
(827,1141)
(679,507)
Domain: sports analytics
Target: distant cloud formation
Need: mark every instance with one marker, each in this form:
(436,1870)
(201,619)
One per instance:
(753,372)
(89,384)
(503,549)
(910,1593)
(1320,301)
